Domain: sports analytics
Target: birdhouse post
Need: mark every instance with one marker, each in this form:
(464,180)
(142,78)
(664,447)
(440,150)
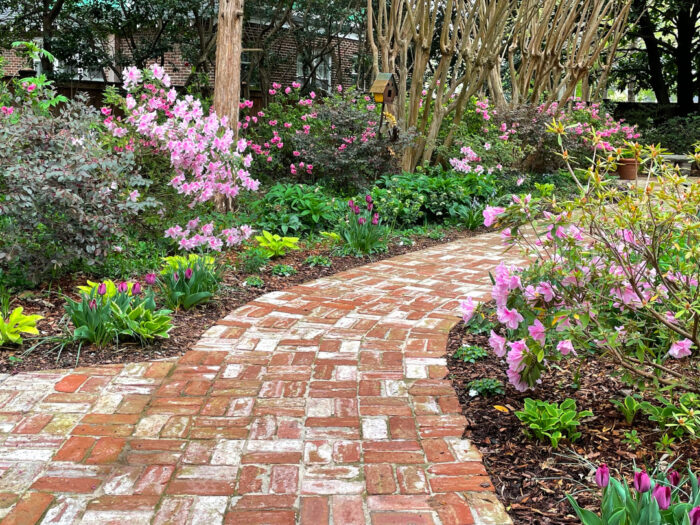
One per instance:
(384,91)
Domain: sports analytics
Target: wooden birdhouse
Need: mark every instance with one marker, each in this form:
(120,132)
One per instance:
(384,88)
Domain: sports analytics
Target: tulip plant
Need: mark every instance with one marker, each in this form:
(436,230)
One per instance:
(652,500)
(103,315)
(362,231)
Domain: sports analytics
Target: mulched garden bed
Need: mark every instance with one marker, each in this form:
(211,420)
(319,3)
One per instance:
(530,477)
(48,302)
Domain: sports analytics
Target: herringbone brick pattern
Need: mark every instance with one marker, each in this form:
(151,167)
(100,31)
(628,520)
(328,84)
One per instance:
(326,403)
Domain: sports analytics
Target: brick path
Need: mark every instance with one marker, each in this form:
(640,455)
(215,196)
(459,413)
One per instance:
(325,403)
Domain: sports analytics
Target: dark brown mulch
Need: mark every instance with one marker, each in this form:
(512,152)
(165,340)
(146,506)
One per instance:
(189,325)
(531,478)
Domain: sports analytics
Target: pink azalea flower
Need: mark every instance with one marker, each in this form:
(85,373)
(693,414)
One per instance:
(681,349)
(517,353)
(491,213)
(498,344)
(566,347)
(510,318)
(468,308)
(517,381)
(537,332)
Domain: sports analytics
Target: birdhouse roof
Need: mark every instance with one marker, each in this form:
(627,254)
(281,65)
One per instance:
(381,82)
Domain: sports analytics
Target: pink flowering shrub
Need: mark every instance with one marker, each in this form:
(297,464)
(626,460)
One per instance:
(517,137)
(312,139)
(614,274)
(206,161)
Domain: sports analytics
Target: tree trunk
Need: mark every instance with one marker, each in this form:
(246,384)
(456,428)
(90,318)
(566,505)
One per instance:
(227,84)
(684,58)
(656,74)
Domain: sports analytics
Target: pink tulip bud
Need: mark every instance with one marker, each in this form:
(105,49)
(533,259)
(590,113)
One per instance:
(375,219)
(370,206)
(176,277)
(368,198)
(102,289)
(136,289)
(602,476)
(123,287)
(150,279)
(188,273)
(694,516)
(673,477)
(351,203)
(642,483)
(662,494)
(361,220)
(92,305)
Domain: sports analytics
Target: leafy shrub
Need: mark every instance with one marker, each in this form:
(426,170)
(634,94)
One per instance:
(552,422)
(627,407)
(190,284)
(434,197)
(660,498)
(486,387)
(130,313)
(13,326)
(253,260)
(275,246)
(66,198)
(318,260)
(254,281)
(297,208)
(362,230)
(283,270)
(470,354)
(676,134)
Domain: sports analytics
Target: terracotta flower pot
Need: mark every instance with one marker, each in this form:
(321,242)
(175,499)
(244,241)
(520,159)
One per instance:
(627,169)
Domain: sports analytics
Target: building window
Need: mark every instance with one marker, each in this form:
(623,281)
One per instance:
(318,70)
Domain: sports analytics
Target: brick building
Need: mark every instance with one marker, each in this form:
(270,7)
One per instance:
(286,64)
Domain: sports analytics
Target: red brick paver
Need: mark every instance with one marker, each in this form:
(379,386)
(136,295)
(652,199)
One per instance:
(326,403)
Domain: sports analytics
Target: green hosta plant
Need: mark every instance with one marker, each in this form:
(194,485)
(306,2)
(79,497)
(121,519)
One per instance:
(274,245)
(549,421)
(628,407)
(12,326)
(190,284)
(656,499)
(175,262)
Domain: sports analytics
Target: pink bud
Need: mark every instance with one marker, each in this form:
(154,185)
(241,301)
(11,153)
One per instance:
(123,287)
(150,279)
(188,273)
(102,289)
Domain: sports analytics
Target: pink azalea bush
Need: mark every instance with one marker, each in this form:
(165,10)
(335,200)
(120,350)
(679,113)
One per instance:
(208,164)
(517,137)
(614,274)
(309,138)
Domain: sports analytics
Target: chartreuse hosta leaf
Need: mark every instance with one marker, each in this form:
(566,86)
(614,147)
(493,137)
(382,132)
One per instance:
(16,324)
